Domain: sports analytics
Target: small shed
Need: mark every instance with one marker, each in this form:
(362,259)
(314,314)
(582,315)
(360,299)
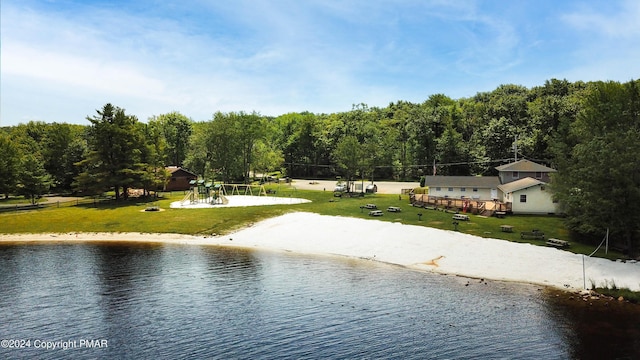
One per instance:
(180,179)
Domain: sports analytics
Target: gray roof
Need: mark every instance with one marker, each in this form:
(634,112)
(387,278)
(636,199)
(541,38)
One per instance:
(525,166)
(175,169)
(484,182)
(519,185)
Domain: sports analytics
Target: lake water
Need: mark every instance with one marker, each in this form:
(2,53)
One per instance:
(133,301)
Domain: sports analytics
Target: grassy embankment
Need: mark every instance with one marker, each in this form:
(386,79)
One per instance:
(614,292)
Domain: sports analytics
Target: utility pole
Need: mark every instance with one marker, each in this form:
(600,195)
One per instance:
(515,147)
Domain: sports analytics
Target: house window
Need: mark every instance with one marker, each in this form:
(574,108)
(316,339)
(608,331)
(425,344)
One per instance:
(475,189)
(463,189)
(514,174)
(523,198)
(538,175)
(450,189)
(438,188)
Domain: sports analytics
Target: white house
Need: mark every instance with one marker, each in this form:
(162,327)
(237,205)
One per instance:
(463,187)
(521,185)
(528,196)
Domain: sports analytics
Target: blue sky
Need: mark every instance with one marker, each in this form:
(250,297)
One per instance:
(63,59)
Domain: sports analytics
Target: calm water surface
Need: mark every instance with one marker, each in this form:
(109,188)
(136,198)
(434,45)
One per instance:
(172,301)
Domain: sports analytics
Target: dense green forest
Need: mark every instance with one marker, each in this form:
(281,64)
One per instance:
(588,131)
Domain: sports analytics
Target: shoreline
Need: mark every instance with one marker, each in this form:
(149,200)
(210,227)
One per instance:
(414,247)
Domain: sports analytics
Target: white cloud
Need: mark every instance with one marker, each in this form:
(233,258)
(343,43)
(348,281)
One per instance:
(81,73)
(614,21)
(607,42)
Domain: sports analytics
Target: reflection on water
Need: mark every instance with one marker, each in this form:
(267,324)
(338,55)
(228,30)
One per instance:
(597,329)
(173,301)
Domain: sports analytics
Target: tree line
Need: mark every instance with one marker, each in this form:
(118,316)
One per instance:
(588,131)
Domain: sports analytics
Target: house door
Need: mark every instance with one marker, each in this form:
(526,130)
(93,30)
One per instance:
(494,193)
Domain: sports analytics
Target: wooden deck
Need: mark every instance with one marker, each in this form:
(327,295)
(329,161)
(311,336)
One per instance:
(473,206)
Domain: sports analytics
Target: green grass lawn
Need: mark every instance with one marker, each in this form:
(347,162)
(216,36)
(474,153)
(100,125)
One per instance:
(129,216)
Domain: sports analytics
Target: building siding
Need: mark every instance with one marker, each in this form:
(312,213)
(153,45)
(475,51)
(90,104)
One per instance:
(179,180)
(539,201)
(457,193)
(508,176)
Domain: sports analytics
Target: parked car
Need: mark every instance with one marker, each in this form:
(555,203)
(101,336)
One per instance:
(340,187)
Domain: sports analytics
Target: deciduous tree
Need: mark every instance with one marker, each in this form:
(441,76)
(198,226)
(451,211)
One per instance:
(349,157)
(598,181)
(9,164)
(176,129)
(34,181)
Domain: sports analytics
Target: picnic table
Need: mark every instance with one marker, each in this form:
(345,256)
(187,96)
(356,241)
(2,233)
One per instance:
(375,213)
(536,235)
(506,228)
(557,243)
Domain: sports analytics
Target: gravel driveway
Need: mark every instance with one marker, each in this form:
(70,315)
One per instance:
(384,187)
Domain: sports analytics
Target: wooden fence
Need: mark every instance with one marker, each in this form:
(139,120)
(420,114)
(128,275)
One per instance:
(55,204)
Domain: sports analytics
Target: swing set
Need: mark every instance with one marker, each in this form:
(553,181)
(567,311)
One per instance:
(203,192)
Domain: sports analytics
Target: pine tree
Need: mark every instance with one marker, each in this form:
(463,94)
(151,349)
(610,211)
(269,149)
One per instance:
(113,161)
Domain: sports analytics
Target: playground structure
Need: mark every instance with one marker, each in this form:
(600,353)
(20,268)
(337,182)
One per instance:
(235,189)
(209,193)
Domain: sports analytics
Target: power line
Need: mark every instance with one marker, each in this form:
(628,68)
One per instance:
(407,166)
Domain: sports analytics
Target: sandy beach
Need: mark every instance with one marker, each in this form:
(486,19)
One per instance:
(239,201)
(416,247)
